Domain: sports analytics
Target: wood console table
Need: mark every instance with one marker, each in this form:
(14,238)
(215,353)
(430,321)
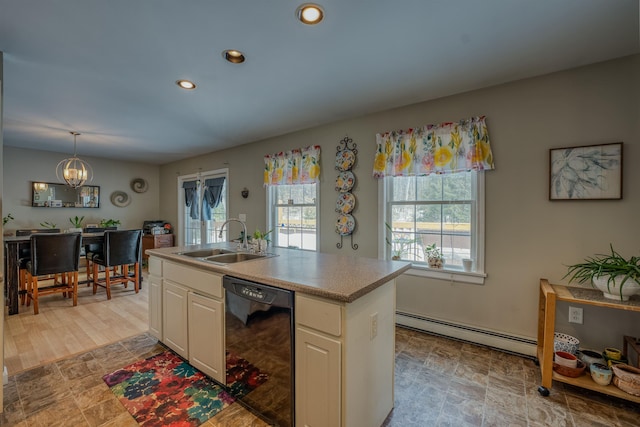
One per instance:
(12,246)
(549,295)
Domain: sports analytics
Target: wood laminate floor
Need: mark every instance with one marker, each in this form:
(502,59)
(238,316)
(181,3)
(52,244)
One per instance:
(56,377)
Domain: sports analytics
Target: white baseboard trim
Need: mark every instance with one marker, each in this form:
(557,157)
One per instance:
(511,343)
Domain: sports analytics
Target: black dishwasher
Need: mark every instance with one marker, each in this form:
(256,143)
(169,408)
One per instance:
(259,330)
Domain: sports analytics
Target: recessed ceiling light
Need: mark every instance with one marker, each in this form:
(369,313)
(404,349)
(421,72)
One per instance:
(310,13)
(186,84)
(233,56)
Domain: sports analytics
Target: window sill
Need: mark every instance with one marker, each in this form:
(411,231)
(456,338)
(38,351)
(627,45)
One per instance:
(450,275)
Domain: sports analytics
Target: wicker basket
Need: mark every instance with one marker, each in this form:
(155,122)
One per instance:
(627,378)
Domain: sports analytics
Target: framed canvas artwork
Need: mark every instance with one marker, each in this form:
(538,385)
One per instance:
(591,172)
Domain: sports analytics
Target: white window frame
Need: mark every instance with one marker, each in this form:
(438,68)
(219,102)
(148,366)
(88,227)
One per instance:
(271,214)
(181,202)
(448,273)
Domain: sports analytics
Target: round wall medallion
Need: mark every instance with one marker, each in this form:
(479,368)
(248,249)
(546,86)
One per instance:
(139,185)
(120,199)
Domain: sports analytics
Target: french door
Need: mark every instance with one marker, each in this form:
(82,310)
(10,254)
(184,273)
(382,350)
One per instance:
(196,225)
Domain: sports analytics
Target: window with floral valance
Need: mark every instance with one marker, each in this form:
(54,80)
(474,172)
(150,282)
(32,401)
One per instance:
(298,166)
(443,148)
(433,192)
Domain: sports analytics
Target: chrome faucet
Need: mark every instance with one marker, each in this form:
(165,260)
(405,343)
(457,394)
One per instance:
(245,245)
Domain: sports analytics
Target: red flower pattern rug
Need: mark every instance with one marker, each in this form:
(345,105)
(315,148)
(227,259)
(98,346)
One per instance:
(164,390)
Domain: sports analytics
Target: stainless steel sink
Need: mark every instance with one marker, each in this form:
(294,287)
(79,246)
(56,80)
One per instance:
(203,253)
(230,258)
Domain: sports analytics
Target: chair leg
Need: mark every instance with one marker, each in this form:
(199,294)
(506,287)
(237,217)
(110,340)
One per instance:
(107,282)
(34,293)
(23,286)
(136,277)
(95,278)
(74,281)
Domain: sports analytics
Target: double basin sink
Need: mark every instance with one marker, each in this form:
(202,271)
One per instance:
(223,256)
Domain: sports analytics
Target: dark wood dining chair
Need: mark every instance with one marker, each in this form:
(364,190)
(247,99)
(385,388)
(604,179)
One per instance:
(121,249)
(24,256)
(53,254)
(93,249)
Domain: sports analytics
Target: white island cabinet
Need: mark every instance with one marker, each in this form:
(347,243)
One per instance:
(344,326)
(191,315)
(345,355)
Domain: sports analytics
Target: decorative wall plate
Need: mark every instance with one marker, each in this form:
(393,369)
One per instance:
(139,185)
(345,203)
(345,160)
(345,224)
(120,199)
(345,181)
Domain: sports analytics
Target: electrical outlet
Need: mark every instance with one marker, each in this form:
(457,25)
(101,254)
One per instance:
(242,217)
(373,325)
(575,315)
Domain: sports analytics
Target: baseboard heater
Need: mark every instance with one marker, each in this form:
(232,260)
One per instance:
(509,343)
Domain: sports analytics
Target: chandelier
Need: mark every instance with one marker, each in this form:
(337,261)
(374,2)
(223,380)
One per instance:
(74,171)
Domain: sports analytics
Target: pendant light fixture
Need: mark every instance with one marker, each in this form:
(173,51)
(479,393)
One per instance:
(74,171)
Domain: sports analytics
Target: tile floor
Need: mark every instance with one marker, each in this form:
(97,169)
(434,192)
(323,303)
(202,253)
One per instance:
(439,382)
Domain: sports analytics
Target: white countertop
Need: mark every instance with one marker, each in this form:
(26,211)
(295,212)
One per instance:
(337,277)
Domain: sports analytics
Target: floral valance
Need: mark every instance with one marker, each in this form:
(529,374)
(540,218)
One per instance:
(444,148)
(299,166)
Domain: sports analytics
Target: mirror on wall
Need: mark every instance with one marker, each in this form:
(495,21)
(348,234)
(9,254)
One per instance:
(55,195)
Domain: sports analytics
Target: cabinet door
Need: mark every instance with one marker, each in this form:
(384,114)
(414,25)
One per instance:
(155,306)
(174,318)
(318,397)
(206,336)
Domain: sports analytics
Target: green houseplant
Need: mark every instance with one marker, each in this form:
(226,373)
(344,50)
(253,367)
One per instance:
(49,225)
(7,218)
(76,221)
(616,276)
(106,223)
(434,256)
(398,245)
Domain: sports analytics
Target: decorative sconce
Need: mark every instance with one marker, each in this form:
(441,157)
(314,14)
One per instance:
(245,192)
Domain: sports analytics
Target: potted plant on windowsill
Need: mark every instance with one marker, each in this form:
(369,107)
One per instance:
(617,277)
(434,256)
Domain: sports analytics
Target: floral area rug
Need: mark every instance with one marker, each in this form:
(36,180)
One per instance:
(164,390)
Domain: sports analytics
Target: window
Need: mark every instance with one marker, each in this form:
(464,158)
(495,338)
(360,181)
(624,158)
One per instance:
(204,228)
(293,216)
(445,209)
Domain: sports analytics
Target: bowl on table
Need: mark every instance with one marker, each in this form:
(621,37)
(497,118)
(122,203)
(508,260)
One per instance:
(589,357)
(601,374)
(563,358)
(564,342)
(570,372)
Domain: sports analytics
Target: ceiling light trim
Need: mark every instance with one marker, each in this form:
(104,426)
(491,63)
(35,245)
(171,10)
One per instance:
(186,84)
(234,56)
(310,13)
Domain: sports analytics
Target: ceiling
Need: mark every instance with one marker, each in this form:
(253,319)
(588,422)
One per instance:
(107,69)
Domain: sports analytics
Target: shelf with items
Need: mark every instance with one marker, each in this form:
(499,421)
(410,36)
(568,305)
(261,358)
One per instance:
(550,294)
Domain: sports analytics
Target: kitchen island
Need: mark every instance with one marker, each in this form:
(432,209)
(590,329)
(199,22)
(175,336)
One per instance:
(344,329)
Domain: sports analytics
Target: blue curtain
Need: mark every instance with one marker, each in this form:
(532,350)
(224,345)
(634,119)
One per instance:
(212,196)
(191,198)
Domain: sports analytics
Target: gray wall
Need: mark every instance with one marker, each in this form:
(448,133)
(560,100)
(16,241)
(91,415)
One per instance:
(527,236)
(22,166)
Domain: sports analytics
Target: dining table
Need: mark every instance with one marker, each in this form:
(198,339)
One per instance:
(12,247)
